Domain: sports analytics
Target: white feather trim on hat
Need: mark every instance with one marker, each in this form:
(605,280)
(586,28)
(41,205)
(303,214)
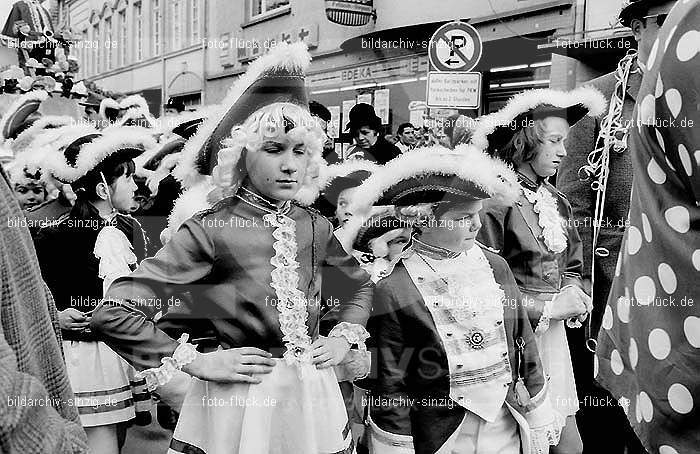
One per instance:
(191,202)
(133,101)
(311,186)
(168,124)
(93,153)
(108,103)
(345,168)
(29,136)
(589,97)
(36,95)
(467,162)
(283,55)
(135,113)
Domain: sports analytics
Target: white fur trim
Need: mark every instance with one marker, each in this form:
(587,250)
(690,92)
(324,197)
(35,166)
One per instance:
(93,153)
(54,162)
(589,97)
(36,95)
(345,168)
(467,162)
(134,101)
(283,55)
(133,114)
(168,124)
(191,202)
(107,103)
(27,137)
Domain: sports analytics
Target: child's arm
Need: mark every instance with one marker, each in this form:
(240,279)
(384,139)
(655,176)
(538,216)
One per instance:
(390,422)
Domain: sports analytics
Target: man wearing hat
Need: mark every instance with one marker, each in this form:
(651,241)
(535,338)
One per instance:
(458,369)
(365,129)
(174,106)
(596,176)
(91,113)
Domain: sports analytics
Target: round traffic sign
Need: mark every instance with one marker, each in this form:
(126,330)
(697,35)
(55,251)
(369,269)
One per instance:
(456,46)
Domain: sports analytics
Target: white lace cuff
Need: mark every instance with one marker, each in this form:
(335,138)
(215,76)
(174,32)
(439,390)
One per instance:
(543,323)
(542,437)
(184,354)
(355,334)
(545,423)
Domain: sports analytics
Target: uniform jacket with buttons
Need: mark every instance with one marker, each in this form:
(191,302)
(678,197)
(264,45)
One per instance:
(412,360)
(516,233)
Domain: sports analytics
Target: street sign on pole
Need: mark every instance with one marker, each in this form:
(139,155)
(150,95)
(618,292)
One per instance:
(456,46)
(455,49)
(452,89)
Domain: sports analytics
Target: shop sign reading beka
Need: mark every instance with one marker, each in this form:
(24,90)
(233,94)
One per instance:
(455,49)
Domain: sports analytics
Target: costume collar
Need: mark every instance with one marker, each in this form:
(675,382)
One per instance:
(528,183)
(262,202)
(433,252)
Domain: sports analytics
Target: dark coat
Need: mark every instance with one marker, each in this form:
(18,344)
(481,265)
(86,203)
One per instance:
(515,232)
(581,141)
(381,152)
(412,361)
(68,263)
(221,258)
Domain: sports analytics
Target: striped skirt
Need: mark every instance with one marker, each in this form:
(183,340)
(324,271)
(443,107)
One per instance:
(284,414)
(105,387)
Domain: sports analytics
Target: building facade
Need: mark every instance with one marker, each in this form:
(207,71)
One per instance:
(152,47)
(195,49)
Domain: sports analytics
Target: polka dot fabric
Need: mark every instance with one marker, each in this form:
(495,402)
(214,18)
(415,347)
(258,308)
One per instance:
(649,349)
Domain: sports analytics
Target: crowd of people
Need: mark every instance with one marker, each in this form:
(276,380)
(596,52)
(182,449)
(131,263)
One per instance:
(460,292)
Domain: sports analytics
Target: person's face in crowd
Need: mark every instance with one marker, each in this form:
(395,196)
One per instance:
(408,137)
(397,244)
(92,115)
(366,137)
(349,205)
(456,228)
(551,150)
(30,193)
(278,168)
(122,193)
(170,112)
(646,29)
(328,145)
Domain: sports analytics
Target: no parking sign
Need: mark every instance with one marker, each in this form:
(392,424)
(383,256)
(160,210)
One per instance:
(455,49)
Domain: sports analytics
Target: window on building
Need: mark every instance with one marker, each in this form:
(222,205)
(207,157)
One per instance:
(177,24)
(195,20)
(157,30)
(84,49)
(262,7)
(108,44)
(95,56)
(138,30)
(123,32)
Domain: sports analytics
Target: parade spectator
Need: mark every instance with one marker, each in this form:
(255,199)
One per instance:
(648,352)
(596,177)
(37,412)
(537,236)
(406,137)
(365,128)
(173,107)
(320,112)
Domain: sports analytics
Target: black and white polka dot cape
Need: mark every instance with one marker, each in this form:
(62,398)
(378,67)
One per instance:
(649,348)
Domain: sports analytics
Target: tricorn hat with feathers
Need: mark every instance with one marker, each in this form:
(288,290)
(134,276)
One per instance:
(493,131)
(437,174)
(278,76)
